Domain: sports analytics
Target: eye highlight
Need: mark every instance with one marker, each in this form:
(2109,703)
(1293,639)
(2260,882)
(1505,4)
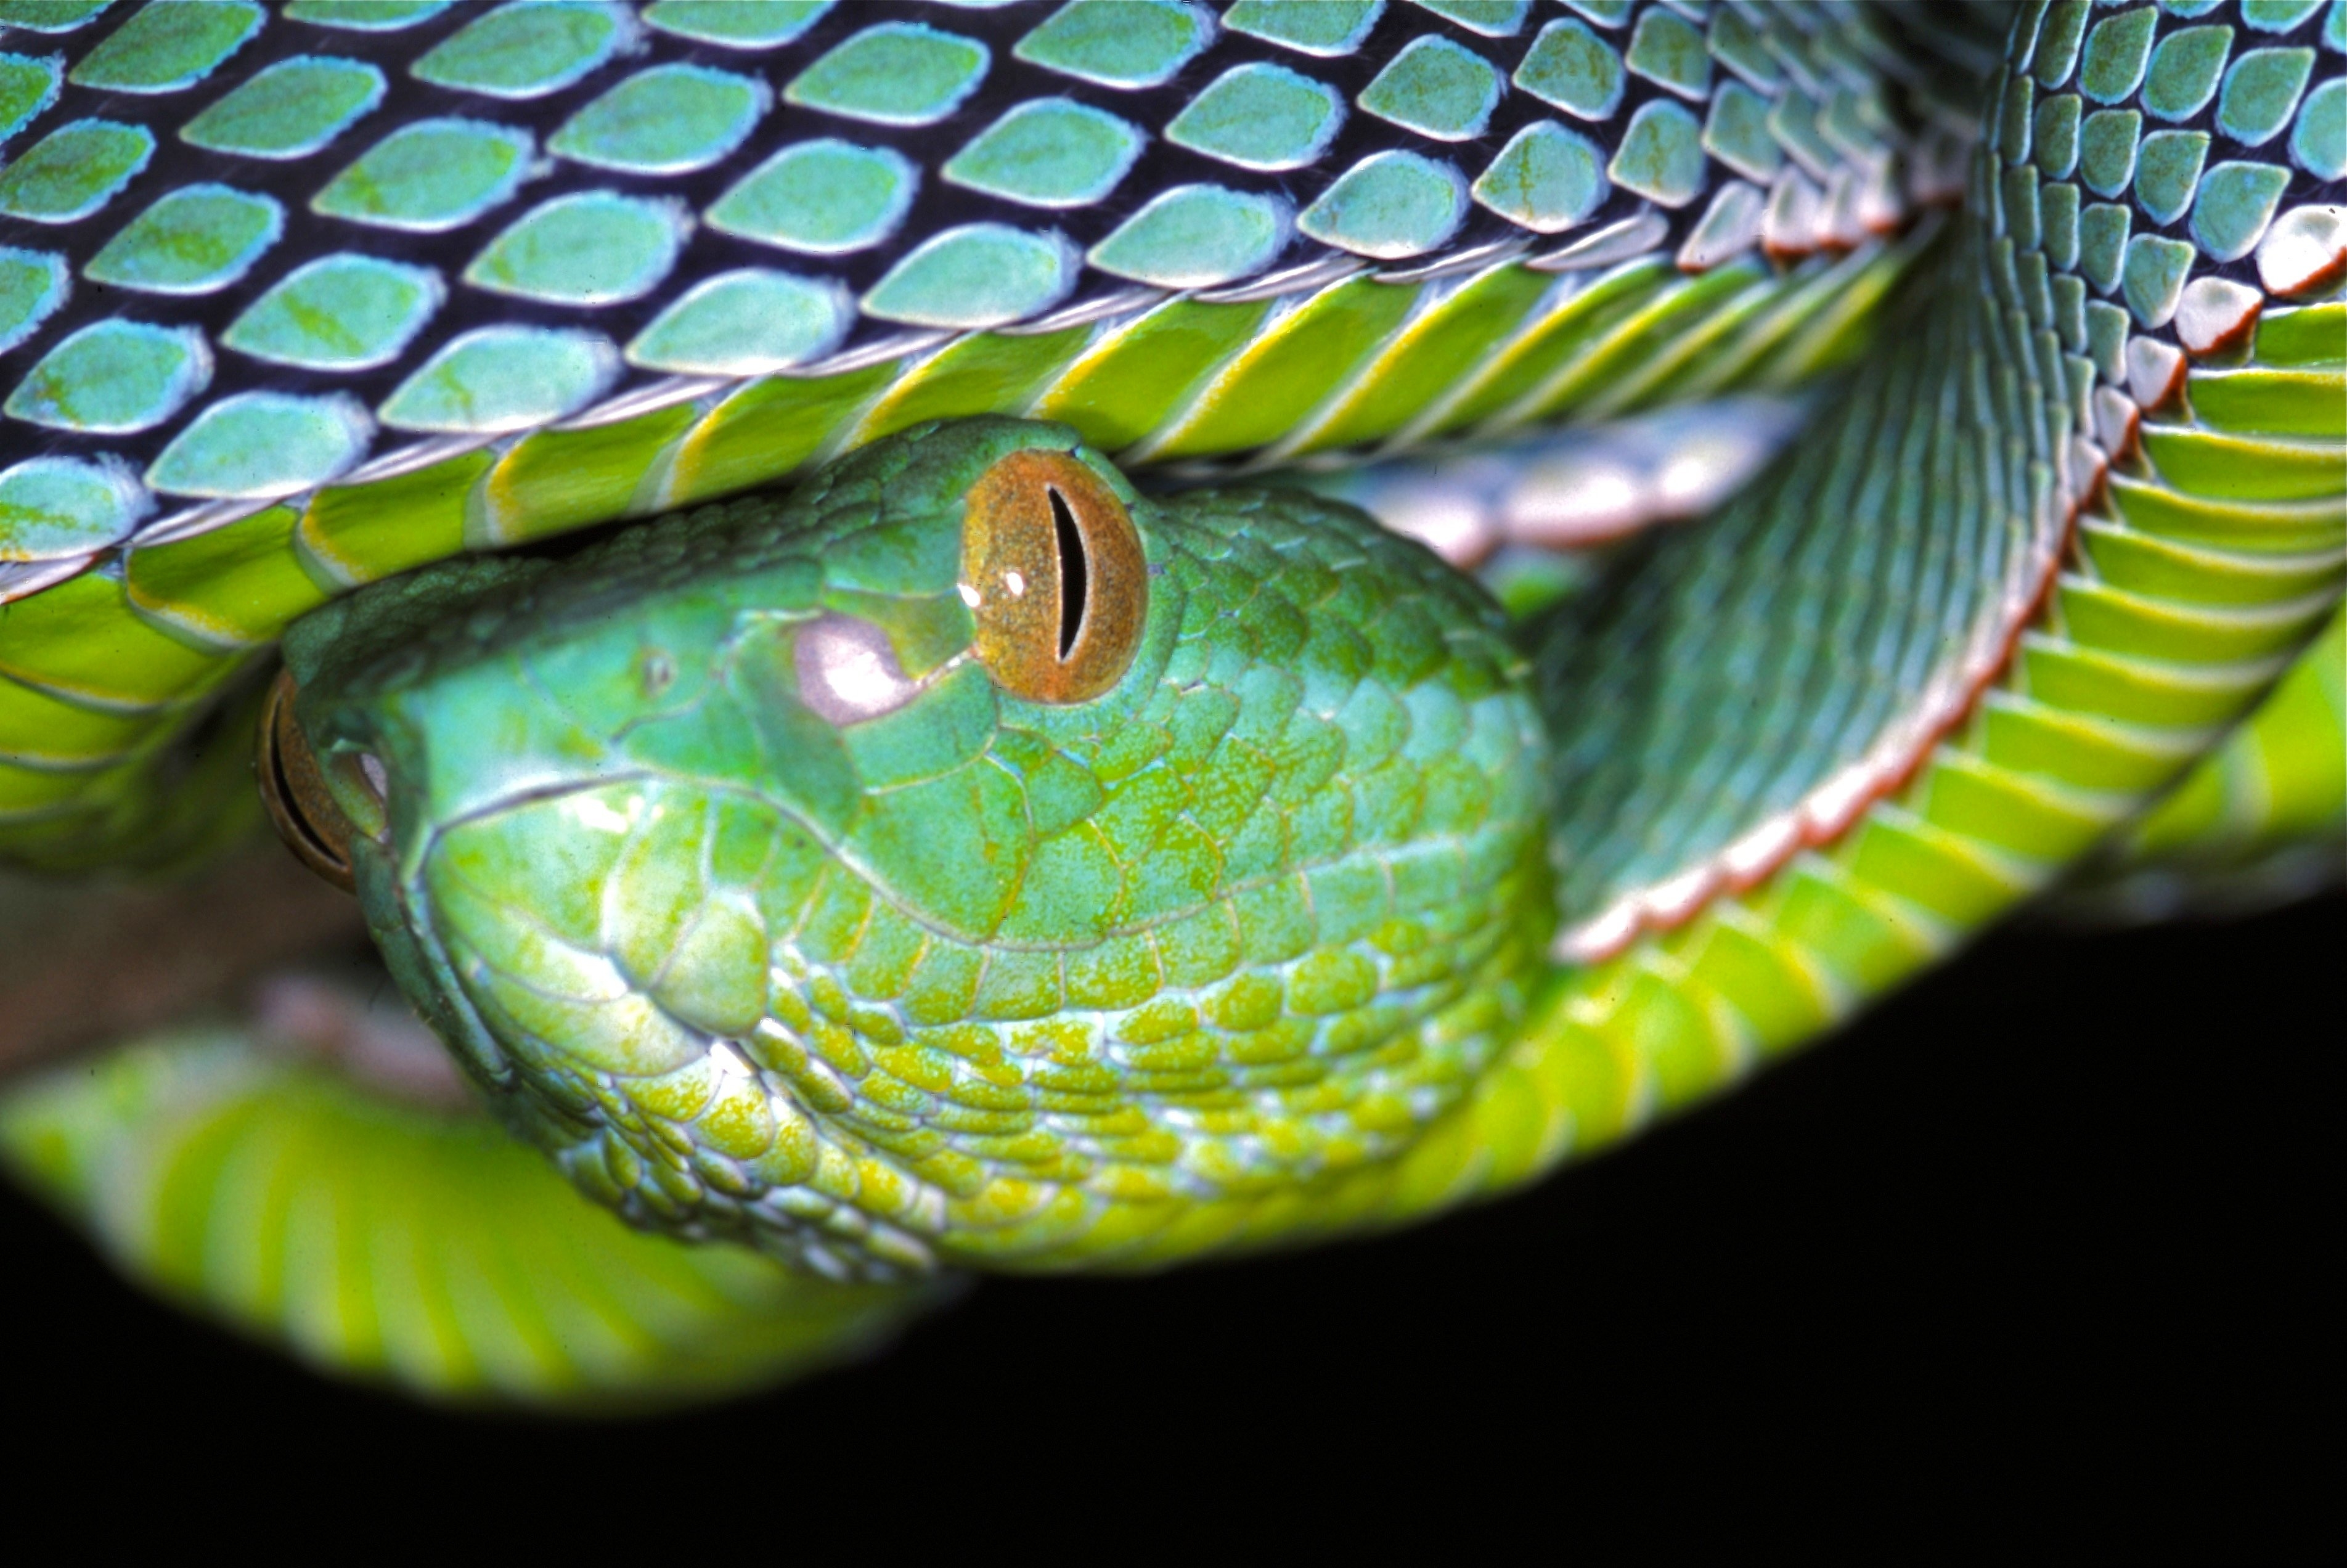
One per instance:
(301,808)
(1054,572)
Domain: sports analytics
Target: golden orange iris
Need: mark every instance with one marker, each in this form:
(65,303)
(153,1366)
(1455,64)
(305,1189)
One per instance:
(1056,580)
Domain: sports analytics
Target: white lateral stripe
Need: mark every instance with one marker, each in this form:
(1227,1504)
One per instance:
(1831,809)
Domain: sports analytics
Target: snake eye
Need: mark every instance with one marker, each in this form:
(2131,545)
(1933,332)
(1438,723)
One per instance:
(1053,569)
(302,807)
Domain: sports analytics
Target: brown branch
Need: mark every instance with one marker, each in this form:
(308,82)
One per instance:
(85,964)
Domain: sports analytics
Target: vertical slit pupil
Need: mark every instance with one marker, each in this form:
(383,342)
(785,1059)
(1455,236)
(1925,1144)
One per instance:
(1074,572)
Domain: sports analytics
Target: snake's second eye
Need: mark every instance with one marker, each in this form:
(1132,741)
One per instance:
(1054,572)
(301,805)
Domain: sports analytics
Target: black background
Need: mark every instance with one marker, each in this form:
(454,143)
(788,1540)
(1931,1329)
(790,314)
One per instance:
(2036,1263)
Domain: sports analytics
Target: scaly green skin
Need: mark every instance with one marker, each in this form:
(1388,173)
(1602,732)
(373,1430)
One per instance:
(417,1247)
(2068,530)
(104,672)
(172,575)
(2259,821)
(981,978)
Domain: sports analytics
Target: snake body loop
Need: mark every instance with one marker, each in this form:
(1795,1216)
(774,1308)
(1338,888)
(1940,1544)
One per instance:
(1048,835)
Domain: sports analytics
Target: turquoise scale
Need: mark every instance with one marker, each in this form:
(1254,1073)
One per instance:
(683,194)
(592,221)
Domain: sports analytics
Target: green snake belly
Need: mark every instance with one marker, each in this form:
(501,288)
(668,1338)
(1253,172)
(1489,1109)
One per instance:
(2071,501)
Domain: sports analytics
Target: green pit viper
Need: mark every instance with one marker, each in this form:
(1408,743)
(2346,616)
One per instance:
(802,560)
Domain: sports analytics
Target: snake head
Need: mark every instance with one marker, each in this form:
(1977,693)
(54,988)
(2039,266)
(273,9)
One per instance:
(966,858)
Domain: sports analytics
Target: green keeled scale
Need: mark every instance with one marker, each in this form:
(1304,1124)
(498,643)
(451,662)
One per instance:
(747,877)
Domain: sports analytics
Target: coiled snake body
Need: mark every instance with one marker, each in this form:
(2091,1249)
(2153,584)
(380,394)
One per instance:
(1032,842)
